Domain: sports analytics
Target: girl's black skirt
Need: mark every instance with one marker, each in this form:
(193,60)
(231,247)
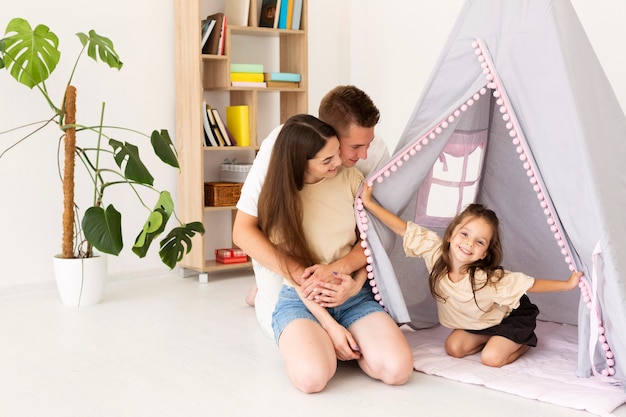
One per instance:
(519,326)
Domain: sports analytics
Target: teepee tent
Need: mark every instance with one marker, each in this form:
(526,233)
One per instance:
(519,115)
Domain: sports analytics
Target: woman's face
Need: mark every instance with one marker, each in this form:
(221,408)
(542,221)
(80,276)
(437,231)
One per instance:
(325,162)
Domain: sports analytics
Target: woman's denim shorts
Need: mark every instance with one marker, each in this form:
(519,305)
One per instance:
(290,307)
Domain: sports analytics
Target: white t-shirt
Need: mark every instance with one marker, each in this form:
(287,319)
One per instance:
(377,153)
(268,282)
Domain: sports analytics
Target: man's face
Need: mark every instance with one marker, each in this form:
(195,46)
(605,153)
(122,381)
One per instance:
(354,145)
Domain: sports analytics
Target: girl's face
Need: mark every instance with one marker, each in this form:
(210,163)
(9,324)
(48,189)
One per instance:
(470,241)
(325,162)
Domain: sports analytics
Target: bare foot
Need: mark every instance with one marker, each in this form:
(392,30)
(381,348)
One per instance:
(251,295)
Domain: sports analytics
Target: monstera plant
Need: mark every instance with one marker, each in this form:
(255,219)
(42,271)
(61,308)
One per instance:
(97,151)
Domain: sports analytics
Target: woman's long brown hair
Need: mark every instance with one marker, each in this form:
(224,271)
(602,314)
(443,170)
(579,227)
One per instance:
(280,206)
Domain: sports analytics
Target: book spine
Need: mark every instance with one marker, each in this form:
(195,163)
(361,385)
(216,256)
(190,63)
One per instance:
(214,128)
(282,76)
(297,13)
(208,130)
(268,13)
(256,84)
(238,122)
(282,17)
(251,68)
(277,14)
(246,76)
(222,127)
(207,28)
(289,14)
(220,50)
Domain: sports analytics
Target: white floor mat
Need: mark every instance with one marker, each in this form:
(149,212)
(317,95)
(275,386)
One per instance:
(545,373)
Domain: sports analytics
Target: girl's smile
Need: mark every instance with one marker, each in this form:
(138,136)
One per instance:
(469,242)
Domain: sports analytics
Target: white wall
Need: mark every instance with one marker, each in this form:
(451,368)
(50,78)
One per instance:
(387,51)
(141,95)
(394,50)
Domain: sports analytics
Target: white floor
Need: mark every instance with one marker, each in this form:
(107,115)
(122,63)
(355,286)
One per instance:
(170,346)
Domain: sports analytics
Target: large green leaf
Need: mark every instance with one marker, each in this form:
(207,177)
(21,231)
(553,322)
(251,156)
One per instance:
(178,242)
(134,170)
(103,229)
(30,55)
(164,148)
(155,224)
(102,47)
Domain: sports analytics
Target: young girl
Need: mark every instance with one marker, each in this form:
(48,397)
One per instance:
(306,208)
(485,305)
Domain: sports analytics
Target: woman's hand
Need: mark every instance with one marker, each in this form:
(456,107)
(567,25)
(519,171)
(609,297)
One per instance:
(330,294)
(333,294)
(346,348)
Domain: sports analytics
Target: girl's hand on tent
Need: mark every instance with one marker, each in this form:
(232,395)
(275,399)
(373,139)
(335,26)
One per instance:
(574,280)
(366,193)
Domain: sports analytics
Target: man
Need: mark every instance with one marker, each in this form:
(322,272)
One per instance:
(354,116)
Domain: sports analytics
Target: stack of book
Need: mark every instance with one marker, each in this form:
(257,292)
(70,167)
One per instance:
(213,33)
(281,14)
(247,75)
(282,79)
(215,131)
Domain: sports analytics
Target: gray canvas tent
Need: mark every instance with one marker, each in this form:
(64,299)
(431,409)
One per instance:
(517,114)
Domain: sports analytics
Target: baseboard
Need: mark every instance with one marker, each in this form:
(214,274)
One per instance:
(39,287)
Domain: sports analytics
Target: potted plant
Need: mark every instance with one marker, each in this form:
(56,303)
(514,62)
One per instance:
(95,150)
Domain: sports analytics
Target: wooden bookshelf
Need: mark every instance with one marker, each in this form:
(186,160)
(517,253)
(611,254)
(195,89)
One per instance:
(201,77)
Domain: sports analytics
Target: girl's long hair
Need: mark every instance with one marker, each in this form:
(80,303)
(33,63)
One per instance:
(280,206)
(490,264)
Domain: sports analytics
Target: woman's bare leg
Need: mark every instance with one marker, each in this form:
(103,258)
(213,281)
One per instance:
(386,354)
(309,355)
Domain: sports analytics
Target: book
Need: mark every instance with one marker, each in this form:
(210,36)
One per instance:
(246,68)
(212,44)
(282,84)
(209,138)
(238,122)
(281,76)
(247,76)
(289,14)
(277,14)
(207,28)
(236,12)
(222,127)
(297,14)
(257,84)
(214,127)
(282,14)
(268,13)
(222,41)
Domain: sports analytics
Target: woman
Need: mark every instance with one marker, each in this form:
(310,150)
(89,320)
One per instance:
(306,210)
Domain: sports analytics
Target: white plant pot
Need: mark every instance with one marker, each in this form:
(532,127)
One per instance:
(80,281)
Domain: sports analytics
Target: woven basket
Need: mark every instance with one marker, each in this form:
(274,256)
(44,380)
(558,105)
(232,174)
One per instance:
(221,194)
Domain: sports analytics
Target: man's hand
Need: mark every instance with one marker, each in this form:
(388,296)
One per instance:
(332,294)
(316,274)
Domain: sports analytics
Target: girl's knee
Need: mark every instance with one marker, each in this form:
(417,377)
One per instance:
(490,357)
(454,349)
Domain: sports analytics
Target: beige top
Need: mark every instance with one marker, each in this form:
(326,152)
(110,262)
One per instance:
(328,214)
(460,310)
